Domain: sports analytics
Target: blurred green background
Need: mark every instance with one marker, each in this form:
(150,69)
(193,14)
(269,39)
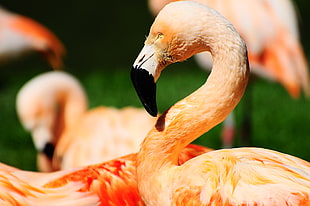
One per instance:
(103,39)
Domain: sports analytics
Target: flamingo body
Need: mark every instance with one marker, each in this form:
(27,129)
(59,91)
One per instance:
(242,176)
(20,35)
(234,177)
(102,133)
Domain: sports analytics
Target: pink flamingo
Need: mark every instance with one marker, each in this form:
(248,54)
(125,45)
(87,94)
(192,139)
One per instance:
(241,176)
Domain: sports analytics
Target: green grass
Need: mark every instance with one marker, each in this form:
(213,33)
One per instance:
(279,122)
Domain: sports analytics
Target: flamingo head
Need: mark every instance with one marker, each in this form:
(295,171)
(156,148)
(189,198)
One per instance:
(37,116)
(172,38)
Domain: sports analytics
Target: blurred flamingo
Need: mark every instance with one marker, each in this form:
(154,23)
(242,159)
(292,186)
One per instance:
(106,184)
(53,107)
(20,35)
(270,30)
(241,176)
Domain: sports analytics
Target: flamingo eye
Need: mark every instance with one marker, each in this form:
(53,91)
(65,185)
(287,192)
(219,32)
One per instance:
(160,36)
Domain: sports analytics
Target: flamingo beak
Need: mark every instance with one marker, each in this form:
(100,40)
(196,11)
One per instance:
(49,150)
(42,140)
(142,77)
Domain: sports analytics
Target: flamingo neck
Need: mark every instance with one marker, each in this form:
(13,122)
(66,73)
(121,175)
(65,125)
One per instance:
(72,103)
(196,114)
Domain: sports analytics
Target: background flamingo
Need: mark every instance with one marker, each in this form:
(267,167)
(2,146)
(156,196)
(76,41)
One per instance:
(53,107)
(242,176)
(270,30)
(110,183)
(20,35)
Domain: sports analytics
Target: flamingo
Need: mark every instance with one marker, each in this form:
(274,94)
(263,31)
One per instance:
(106,184)
(20,34)
(270,31)
(53,107)
(239,176)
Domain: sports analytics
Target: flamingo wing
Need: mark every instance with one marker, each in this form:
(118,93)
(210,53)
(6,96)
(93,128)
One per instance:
(17,188)
(246,176)
(114,182)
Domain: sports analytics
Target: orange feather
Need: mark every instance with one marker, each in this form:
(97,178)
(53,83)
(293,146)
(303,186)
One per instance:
(112,183)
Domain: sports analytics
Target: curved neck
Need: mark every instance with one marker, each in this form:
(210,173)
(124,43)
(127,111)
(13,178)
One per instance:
(199,112)
(71,103)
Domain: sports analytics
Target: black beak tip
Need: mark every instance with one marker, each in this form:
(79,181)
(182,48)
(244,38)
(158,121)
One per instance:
(49,150)
(145,87)
(152,111)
